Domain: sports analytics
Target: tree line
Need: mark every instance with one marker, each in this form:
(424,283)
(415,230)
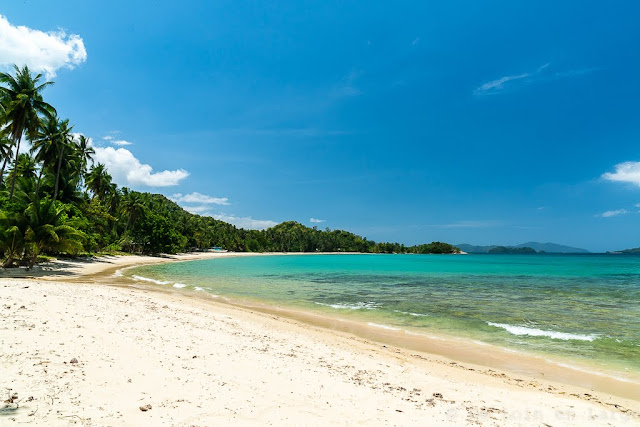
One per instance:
(56,200)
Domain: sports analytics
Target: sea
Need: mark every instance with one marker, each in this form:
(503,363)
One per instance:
(584,308)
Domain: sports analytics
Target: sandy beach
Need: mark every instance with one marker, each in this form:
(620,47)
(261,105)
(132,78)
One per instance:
(80,348)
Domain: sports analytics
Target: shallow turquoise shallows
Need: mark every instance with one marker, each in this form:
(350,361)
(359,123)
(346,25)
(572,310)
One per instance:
(578,306)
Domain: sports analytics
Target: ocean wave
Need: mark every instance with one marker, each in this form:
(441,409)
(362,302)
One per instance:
(523,330)
(411,314)
(198,288)
(146,279)
(380,325)
(179,285)
(354,306)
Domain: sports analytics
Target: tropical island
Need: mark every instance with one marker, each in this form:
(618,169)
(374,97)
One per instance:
(55,201)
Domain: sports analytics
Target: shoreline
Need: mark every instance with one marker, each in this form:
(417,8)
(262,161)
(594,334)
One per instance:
(537,366)
(458,375)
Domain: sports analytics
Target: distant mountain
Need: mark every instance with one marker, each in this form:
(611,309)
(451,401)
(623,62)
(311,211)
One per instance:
(473,249)
(512,250)
(625,251)
(552,248)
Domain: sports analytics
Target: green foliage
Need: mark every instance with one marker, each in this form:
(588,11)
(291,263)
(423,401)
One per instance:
(434,248)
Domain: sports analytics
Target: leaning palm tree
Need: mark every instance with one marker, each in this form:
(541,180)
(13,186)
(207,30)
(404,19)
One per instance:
(23,105)
(5,154)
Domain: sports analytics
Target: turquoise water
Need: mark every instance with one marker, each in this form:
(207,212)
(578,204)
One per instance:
(578,306)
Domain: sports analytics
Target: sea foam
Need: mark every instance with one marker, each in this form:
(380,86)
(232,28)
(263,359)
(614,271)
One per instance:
(179,285)
(411,314)
(354,306)
(523,330)
(146,279)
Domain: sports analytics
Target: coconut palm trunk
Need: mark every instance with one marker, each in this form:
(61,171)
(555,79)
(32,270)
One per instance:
(39,179)
(55,192)
(15,169)
(4,165)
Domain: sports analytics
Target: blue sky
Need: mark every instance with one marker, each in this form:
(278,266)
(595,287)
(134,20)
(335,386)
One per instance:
(462,121)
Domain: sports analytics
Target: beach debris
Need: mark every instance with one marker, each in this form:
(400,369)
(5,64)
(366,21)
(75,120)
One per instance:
(438,395)
(145,408)
(12,397)
(74,360)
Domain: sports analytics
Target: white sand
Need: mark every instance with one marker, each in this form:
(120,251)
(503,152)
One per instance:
(203,363)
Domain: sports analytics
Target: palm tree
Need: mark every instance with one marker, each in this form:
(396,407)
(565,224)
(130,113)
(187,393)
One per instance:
(26,166)
(99,181)
(6,153)
(11,240)
(133,206)
(68,187)
(84,152)
(46,143)
(66,142)
(23,104)
(113,197)
(46,229)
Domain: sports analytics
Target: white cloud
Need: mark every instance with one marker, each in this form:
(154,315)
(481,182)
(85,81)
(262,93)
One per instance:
(246,222)
(107,138)
(625,172)
(316,220)
(126,169)
(498,84)
(637,205)
(199,210)
(616,212)
(196,197)
(76,137)
(41,51)
(121,142)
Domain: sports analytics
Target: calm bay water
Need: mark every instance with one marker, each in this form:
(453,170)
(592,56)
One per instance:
(578,306)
